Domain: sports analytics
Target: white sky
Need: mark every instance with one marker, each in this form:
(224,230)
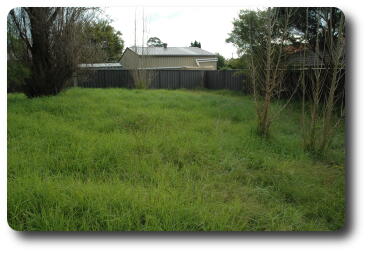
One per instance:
(178,26)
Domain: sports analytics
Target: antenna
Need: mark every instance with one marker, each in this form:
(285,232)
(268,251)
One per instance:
(142,27)
(135,29)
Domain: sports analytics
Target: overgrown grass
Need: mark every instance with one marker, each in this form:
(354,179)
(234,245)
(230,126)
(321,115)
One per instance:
(116,159)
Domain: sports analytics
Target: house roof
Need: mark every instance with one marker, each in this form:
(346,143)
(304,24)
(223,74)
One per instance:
(305,57)
(171,51)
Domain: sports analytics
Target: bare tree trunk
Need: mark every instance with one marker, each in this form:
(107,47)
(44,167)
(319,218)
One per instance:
(302,79)
(267,99)
(337,51)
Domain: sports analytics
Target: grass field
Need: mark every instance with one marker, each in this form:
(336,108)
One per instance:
(117,159)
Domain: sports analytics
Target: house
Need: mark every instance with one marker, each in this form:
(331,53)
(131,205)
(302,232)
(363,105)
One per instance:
(191,58)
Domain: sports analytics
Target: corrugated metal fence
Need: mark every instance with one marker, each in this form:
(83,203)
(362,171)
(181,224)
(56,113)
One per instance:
(165,79)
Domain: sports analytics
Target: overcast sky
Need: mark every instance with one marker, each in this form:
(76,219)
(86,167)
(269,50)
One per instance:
(178,26)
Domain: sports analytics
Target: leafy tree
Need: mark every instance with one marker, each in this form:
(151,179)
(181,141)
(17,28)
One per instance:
(261,37)
(154,42)
(106,39)
(195,44)
(315,25)
(220,61)
(248,30)
(54,43)
(238,63)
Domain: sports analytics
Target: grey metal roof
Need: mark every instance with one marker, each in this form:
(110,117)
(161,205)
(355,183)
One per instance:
(171,51)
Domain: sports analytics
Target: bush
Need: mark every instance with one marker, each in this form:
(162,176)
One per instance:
(17,73)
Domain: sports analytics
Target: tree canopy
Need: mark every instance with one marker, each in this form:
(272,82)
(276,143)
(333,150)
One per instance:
(266,38)
(154,42)
(317,25)
(220,61)
(52,41)
(249,28)
(195,44)
(106,39)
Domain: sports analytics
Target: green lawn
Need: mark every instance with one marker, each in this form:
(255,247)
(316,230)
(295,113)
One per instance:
(118,159)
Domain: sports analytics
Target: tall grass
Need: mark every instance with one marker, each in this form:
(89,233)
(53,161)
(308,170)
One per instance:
(151,160)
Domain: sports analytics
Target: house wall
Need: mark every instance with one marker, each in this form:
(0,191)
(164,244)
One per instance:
(130,60)
(208,65)
(178,61)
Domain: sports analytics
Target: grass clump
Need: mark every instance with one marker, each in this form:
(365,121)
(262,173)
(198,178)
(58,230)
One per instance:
(152,160)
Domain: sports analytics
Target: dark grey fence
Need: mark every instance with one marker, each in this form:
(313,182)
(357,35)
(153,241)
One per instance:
(166,79)
(105,78)
(227,79)
(176,79)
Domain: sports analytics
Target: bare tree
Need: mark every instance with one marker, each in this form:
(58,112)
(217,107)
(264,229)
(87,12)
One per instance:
(142,75)
(317,79)
(268,66)
(55,45)
(336,49)
(318,120)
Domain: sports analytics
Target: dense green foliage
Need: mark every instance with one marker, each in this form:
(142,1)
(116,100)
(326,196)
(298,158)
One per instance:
(220,61)
(249,30)
(195,44)
(16,74)
(117,159)
(154,42)
(306,27)
(50,42)
(17,69)
(106,39)
(312,22)
(232,63)
(237,63)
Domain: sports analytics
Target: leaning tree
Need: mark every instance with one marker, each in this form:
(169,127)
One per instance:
(54,44)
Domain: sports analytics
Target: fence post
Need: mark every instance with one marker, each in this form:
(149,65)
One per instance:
(75,80)
(204,79)
(179,79)
(159,79)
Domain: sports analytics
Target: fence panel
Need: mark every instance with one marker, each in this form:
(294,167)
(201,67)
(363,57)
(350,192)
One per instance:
(192,79)
(165,79)
(227,79)
(211,79)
